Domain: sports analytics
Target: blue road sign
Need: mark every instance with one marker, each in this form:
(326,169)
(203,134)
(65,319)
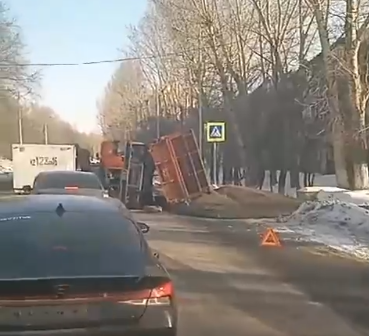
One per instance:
(215,131)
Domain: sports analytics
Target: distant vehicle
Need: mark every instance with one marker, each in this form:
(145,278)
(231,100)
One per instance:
(31,159)
(68,182)
(79,266)
(6,166)
(6,170)
(94,161)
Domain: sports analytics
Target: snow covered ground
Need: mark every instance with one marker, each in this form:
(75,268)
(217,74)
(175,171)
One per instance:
(339,218)
(358,197)
(339,225)
(338,222)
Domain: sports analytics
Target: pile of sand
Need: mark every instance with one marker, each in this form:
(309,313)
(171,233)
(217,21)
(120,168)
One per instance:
(233,202)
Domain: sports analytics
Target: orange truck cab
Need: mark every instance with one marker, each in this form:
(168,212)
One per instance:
(110,155)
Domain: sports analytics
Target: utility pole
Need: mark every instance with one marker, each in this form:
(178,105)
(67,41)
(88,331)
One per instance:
(200,120)
(200,98)
(20,119)
(46,134)
(157,114)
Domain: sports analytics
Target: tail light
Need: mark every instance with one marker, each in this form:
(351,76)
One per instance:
(161,295)
(71,188)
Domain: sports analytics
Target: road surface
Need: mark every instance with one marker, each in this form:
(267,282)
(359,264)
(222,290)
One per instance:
(228,285)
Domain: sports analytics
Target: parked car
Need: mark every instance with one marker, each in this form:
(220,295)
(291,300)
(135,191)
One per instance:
(80,266)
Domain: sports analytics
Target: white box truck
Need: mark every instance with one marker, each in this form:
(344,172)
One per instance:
(31,159)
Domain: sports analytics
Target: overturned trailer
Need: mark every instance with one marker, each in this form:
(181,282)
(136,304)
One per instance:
(176,160)
(180,167)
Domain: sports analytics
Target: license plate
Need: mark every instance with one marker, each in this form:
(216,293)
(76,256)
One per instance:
(42,315)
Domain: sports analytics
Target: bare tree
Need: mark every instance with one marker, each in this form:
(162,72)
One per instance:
(15,74)
(217,53)
(345,69)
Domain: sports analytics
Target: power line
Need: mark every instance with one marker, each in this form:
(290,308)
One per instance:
(116,60)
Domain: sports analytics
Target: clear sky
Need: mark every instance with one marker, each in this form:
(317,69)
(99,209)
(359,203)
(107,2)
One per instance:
(74,31)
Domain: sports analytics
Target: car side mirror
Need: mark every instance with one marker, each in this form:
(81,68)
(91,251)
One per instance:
(144,227)
(27,189)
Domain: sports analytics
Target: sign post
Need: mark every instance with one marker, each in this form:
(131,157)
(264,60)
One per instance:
(215,154)
(215,133)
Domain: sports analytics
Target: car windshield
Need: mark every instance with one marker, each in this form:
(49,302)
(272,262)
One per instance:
(56,181)
(75,244)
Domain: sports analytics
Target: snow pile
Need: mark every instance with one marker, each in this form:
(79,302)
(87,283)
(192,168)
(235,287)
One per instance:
(358,197)
(339,225)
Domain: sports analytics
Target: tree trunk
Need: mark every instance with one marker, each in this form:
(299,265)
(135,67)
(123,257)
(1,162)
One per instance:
(338,144)
(356,97)
(329,75)
(225,170)
(235,128)
(348,135)
(212,167)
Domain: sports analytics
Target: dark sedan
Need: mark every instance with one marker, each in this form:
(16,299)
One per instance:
(77,265)
(68,182)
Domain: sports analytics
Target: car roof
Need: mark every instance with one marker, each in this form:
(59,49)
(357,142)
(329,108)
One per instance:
(67,172)
(25,205)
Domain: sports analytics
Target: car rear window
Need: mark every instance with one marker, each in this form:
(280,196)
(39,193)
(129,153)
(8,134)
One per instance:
(76,244)
(55,181)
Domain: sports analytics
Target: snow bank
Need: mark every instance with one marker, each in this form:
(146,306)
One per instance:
(339,225)
(358,197)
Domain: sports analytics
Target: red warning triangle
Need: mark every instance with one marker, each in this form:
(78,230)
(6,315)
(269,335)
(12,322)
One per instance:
(270,238)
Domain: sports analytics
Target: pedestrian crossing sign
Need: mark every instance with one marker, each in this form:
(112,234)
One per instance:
(215,131)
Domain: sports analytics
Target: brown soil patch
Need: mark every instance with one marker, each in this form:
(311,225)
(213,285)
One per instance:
(234,202)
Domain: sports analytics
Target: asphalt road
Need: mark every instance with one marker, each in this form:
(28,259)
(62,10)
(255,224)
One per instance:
(228,285)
